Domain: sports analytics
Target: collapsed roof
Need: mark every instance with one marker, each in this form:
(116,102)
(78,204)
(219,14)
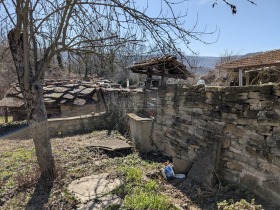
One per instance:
(166,66)
(57,93)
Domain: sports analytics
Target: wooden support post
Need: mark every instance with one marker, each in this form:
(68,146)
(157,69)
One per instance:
(6,115)
(240,78)
(248,79)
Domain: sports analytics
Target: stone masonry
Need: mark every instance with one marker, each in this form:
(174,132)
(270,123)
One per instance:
(243,121)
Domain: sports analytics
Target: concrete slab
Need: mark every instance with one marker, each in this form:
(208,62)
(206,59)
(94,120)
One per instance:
(92,187)
(102,203)
(111,145)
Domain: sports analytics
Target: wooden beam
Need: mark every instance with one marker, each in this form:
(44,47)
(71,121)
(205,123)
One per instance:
(240,76)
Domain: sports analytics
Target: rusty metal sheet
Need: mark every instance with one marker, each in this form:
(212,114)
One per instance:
(111,145)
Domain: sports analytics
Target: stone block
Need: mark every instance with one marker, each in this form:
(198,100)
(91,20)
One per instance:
(233,165)
(234,150)
(251,114)
(199,122)
(260,129)
(272,141)
(276,92)
(215,127)
(242,95)
(251,101)
(268,195)
(272,185)
(254,138)
(226,143)
(208,95)
(276,130)
(233,130)
(203,170)
(269,122)
(249,181)
(229,175)
(245,159)
(238,106)
(247,121)
(229,116)
(256,107)
(181,166)
(276,161)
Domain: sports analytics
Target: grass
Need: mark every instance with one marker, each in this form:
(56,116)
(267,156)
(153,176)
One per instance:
(242,204)
(2,119)
(139,193)
(143,188)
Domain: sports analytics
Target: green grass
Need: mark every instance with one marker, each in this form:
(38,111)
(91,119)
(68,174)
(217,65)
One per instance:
(143,186)
(2,119)
(14,165)
(139,192)
(142,198)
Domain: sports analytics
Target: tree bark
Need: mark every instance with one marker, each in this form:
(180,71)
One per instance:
(35,106)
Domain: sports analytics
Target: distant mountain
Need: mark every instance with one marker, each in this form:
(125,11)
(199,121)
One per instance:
(208,63)
(205,63)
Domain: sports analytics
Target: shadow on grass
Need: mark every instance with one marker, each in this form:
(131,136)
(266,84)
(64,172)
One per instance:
(40,195)
(155,157)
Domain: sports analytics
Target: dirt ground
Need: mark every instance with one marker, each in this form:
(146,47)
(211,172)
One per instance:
(75,158)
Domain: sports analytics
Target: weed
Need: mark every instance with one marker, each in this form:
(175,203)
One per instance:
(151,185)
(141,199)
(242,204)
(132,175)
(139,193)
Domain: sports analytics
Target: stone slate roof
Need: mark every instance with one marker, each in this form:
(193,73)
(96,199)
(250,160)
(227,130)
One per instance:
(57,93)
(161,66)
(265,59)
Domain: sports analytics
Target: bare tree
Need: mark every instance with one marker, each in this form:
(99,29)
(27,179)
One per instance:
(228,55)
(39,30)
(232,5)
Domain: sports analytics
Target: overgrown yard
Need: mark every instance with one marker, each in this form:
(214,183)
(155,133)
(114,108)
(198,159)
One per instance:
(143,186)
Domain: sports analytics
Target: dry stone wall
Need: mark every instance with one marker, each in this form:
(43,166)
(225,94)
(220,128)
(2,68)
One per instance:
(243,121)
(63,126)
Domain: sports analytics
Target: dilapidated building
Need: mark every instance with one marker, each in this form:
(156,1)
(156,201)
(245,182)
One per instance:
(62,98)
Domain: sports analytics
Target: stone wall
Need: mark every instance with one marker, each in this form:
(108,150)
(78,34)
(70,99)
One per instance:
(62,126)
(74,110)
(243,121)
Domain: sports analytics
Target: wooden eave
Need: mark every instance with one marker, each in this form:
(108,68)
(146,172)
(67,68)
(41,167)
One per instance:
(165,66)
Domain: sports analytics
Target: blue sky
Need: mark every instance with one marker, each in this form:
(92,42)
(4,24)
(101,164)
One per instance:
(254,28)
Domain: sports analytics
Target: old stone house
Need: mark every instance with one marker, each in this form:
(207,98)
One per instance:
(62,98)
(256,69)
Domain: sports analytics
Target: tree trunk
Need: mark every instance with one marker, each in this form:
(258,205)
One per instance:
(34,101)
